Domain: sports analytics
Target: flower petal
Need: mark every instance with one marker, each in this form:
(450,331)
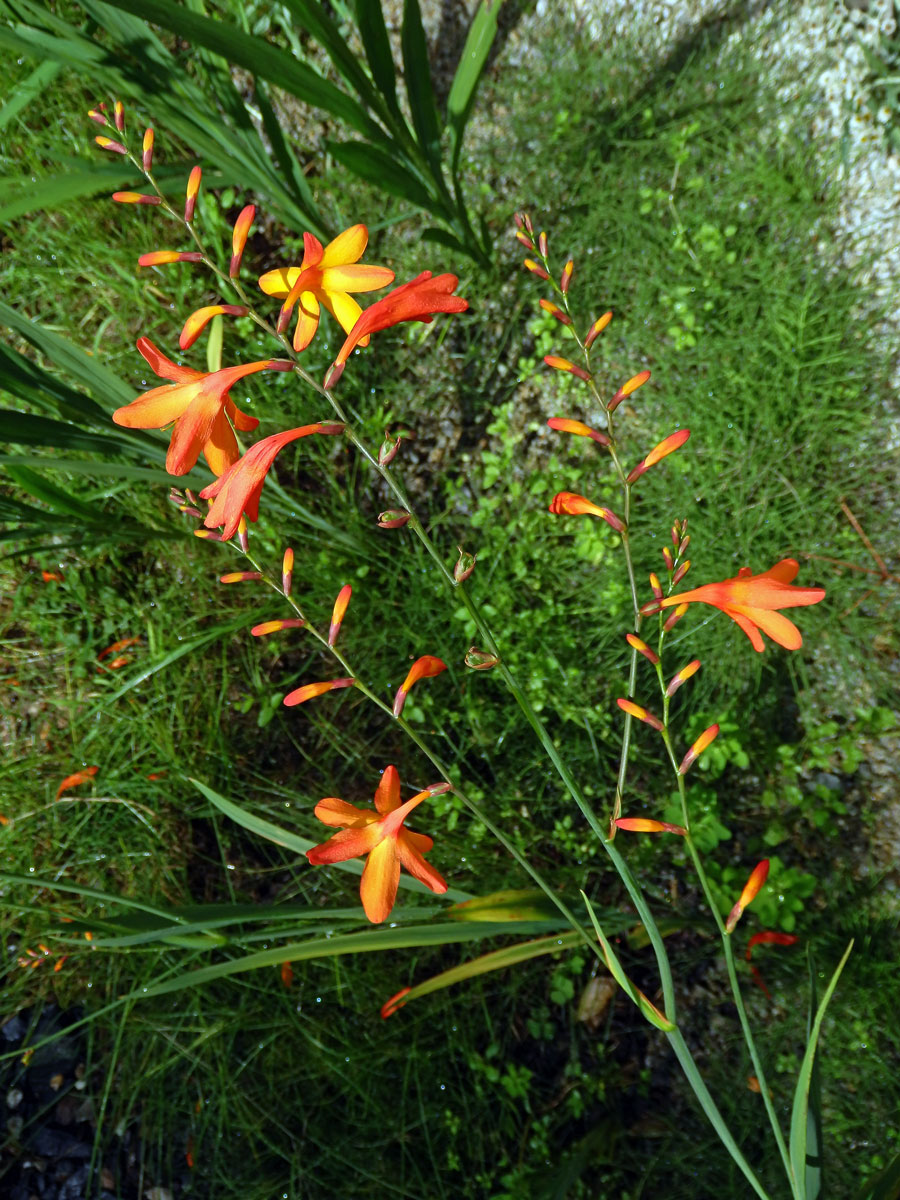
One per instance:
(415,864)
(279,282)
(349,843)
(333,811)
(158,407)
(345,311)
(359,278)
(164,367)
(387,797)
(378,886)
(346,248)
(307,321)
(220,448)
(777,626)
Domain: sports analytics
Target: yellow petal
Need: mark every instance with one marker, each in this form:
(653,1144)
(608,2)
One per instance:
(307,321)
(346,248)
(356,278)
(344,309)
(158,407)
(279,283)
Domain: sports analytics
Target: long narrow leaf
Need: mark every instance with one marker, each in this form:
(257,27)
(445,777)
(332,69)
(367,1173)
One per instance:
(379,165)
(24,429)
(885,1185)
(257,56)
(419,86)
(815,1143)
(648,1009)
(481,36)
(799,1112)
(373,32)
(373,941)
(496,960)
(313,18)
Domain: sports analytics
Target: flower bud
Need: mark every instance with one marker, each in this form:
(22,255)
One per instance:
(525,240)
(555,311)
(106,143)
(337,616)
(239,238)
(670,561)
(480,660)
(659,452)
(119,115)
(242,534)
(147,150)
(563,364)
(598,326)
(393,518)
(565,425)
(566,277)
(134,198)
(706,738)
(530,265)
(97,114)
(287,571)
(682,676)
(465,565)
(681,572)
(641,713)
(675,616)
(193,187)
(542,244)
(642,648)
(159,258)
(654,586)
(626,389)
(240,577)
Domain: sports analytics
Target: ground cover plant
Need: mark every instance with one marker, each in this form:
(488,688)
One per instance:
(542,1087)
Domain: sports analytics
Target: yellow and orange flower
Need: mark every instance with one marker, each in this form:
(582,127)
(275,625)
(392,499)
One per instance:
(381,835)
(238,488)
(417,300)
(325,276)
(752,600)
(199,405)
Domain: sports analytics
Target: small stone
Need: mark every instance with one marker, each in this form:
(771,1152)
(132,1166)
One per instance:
(13,1098)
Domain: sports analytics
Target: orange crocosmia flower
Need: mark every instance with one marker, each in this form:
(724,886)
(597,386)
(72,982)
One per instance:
(71,781)
(325,276)
(238,488)
(417,300)
(199,405)
(758,877)
(381,835)
(752,600)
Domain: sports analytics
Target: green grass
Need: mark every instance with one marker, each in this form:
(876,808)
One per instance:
(493,1088)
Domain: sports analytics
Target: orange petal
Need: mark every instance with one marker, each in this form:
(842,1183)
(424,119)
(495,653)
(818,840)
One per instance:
(378,886)
(307,321)
(361,278)
(197,322)
(413,862)
(311,690)
(337,616)
(158,407)
(332,811)
(71,781)
(348,843)
(387,797)
(642,825)
(642,714)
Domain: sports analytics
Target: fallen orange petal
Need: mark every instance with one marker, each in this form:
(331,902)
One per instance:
(71,781)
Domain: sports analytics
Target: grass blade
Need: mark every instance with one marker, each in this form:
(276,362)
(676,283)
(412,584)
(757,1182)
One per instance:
(29,89)
(648,1009)
(885,1185)
(378,165)
(372,30)
(815,1144)
(800,1111)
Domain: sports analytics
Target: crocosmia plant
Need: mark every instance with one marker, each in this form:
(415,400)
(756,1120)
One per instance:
(387,841)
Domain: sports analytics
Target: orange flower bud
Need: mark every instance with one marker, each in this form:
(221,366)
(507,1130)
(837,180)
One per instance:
(119,115)
(563,364)
(240,577)
(530,265)
(97,114)
(564,425)
(681,572)
(425,667)
(757,878)
(310,690)
(268,627)
(159,258)
(543,245)
(197,321)
(664,448)
(654,585)
(106,143)
(147,150)
(190,196)
(525,240)
(642,714)
(566,277)
(670,561)
(682,676)
(287,571)
(683,545)
(287,974)
(676,616)
(134,198)
(574,505)
(239,237)
(555,311)
(642,648)
(208,535)
(642,825)
(706,738)
(337,616)
(626,389)
(598,326)
(243,536)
